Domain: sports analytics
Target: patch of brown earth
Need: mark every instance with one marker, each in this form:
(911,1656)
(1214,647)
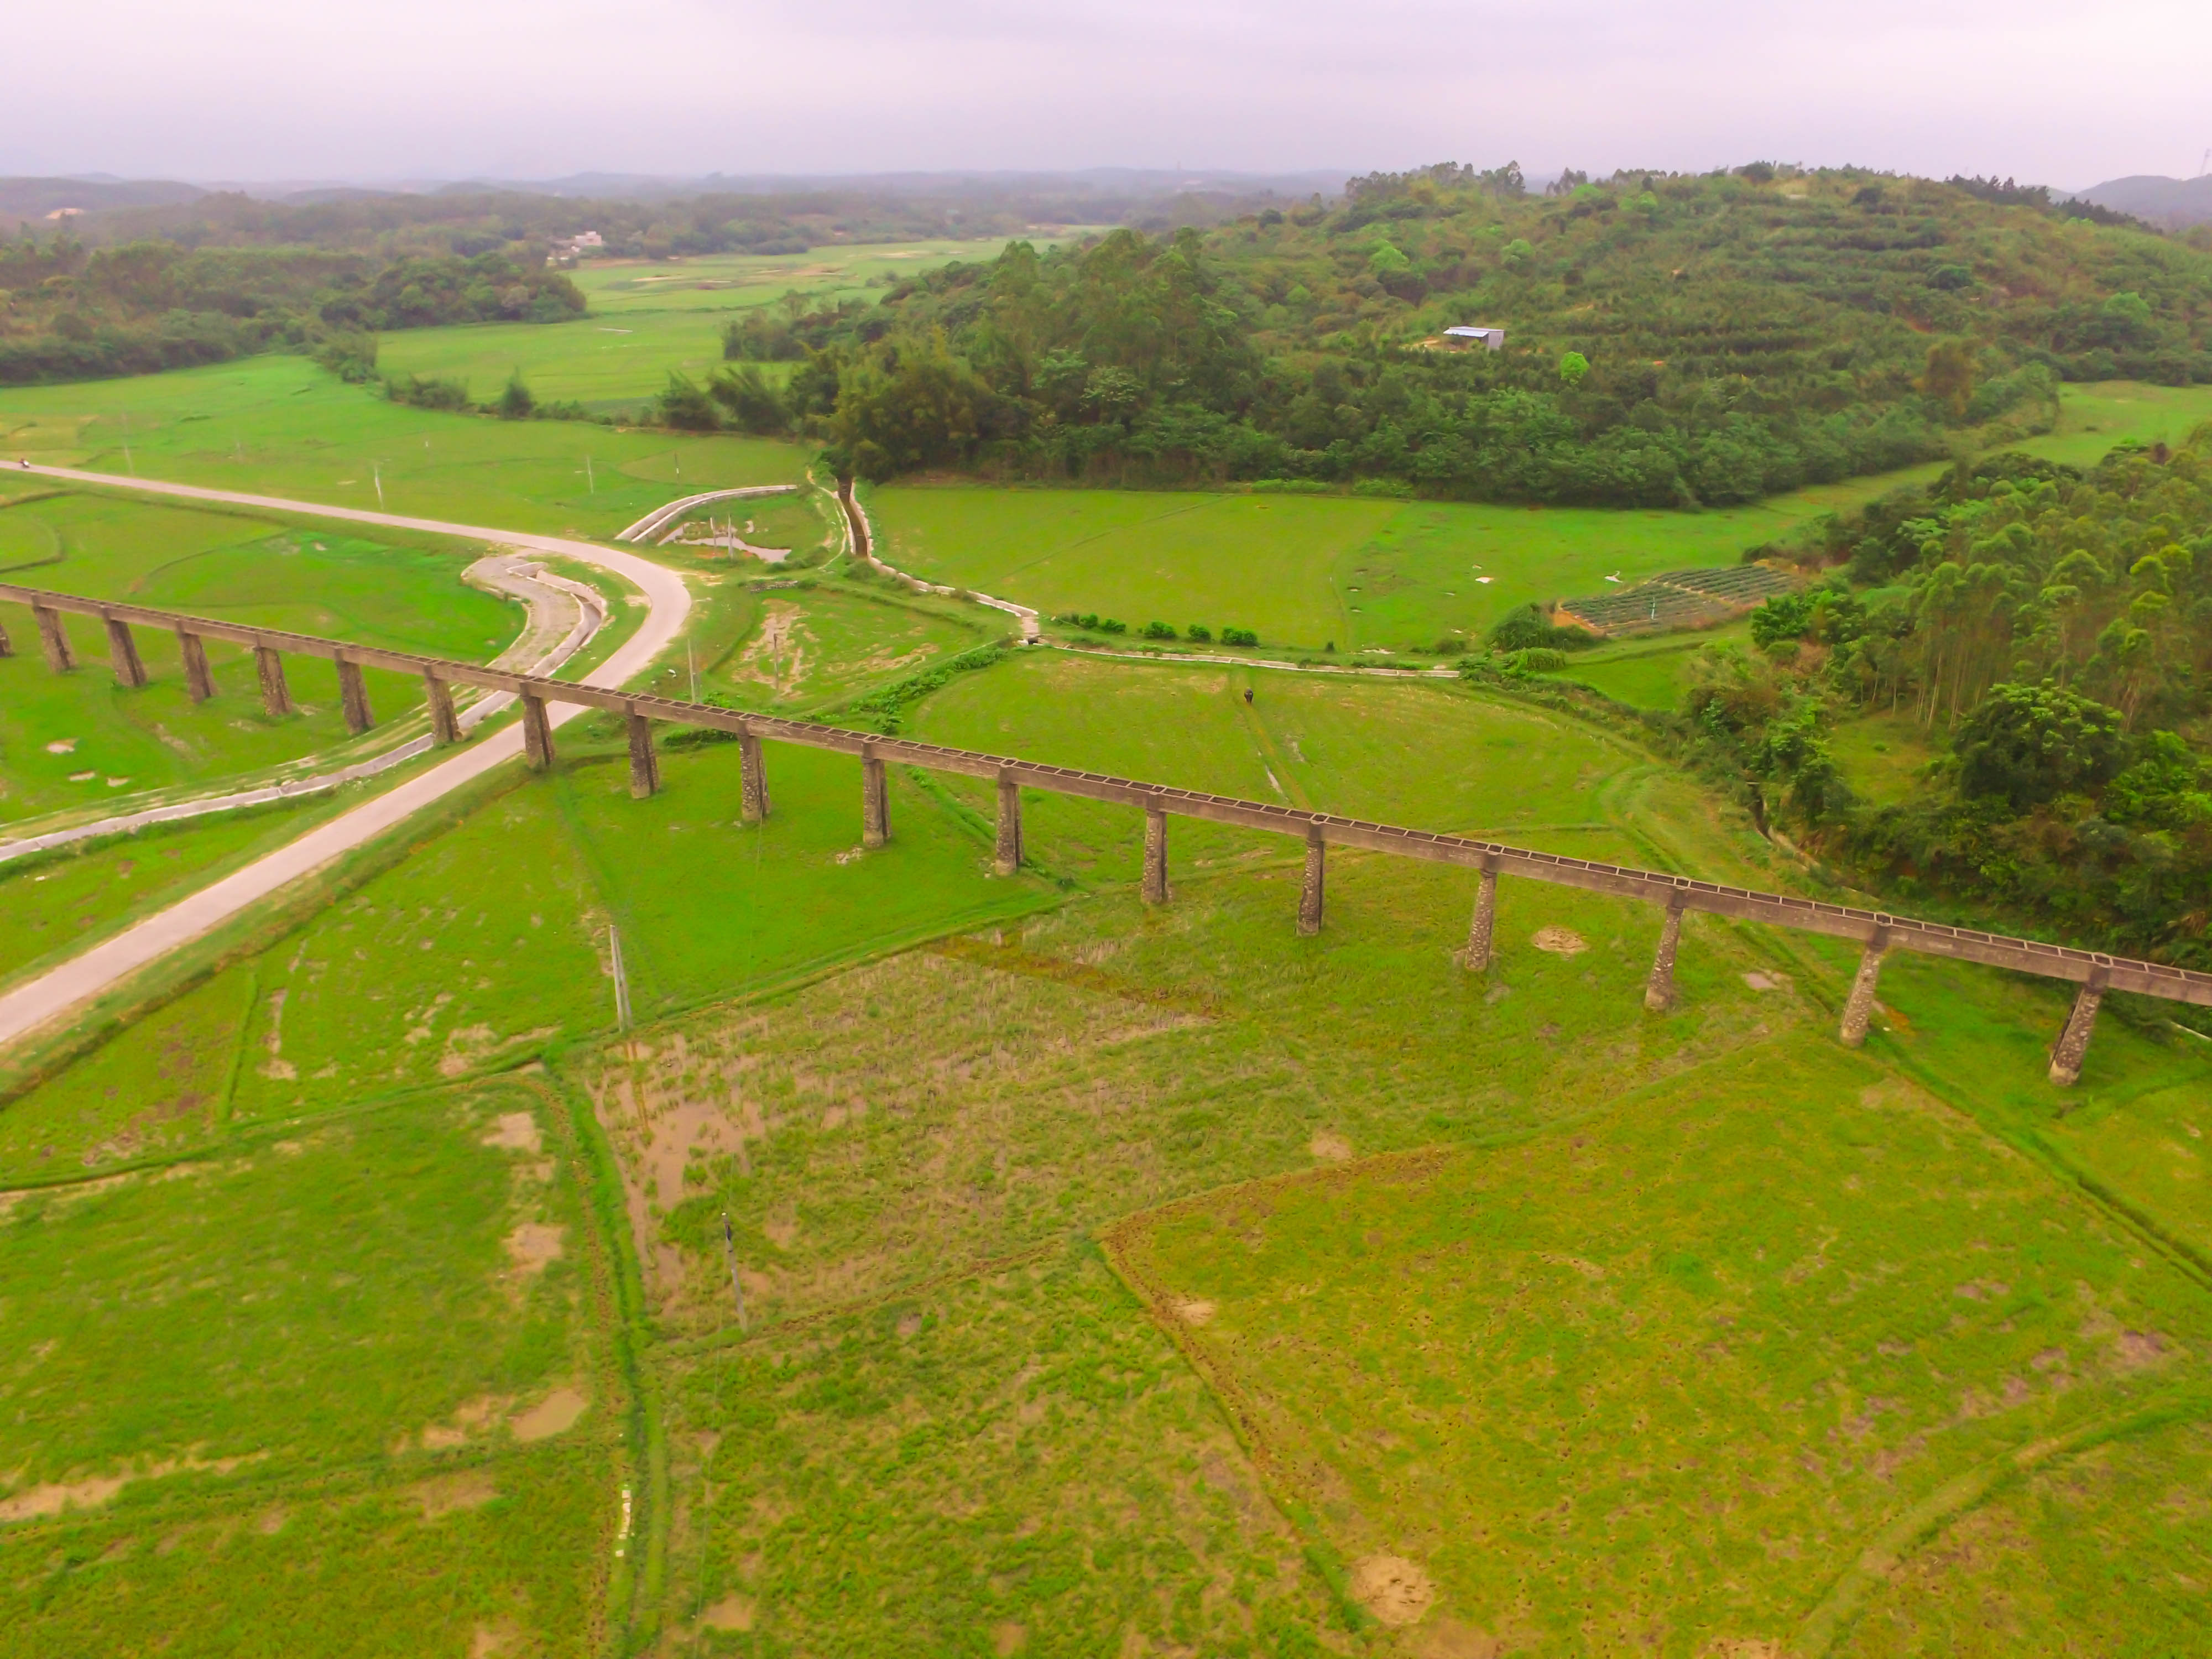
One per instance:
(468,1490)
(1559,941)
(472,1417)
(1742,1647)
(1329,1147)
(777,657)
(1392,1589)
(1196,1311)
(533,1244)
(40,1502)
(516,1131)
(733,1613)
(552,1415)
(1447,1638)
(1759,981)
(1006,1639)
(491,1640)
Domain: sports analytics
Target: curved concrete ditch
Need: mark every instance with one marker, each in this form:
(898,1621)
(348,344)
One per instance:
(53,995)
(567,613)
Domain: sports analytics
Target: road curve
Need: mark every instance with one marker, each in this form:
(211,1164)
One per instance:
(37,1002)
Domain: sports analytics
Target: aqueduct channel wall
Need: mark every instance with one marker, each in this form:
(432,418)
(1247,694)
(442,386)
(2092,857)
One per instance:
(1877,933)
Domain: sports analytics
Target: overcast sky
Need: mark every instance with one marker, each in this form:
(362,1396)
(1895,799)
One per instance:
(2062,92)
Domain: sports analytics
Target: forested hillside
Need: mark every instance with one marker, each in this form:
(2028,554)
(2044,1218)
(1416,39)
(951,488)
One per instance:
(2053,632)
(1671,339)
(71,313)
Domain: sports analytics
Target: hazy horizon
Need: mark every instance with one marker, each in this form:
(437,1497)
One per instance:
(243,90)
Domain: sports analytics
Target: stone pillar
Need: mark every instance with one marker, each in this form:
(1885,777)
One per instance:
(644,759)
(752,779)
(54,638)
(1858,1007)
(353,695)
(2074,1041)
(1484,924)
(123,653)
(438,697)
(1659,989)
(1009,858)
(537,734)
(275,695)
(1156,855)
(1311,893)
(875,803)
(199,678)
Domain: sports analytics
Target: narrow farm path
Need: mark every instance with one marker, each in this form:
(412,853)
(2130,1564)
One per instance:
(39,1001)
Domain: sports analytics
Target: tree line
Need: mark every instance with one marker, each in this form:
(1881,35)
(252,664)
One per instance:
(2052,631)
(1672,340)
(69,312)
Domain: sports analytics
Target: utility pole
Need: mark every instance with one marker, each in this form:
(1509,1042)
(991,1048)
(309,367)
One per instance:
(591,486)
(127,461)
(730,1256)
(622,980)
(691,662)
(376,472)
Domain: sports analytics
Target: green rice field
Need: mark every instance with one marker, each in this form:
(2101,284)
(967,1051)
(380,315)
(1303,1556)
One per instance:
(960,1265)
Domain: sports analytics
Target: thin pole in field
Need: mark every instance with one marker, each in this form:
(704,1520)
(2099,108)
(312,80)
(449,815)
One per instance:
(691,661)
(376,472)
(590,485)
(729,1256)
(127,461)
(622,979)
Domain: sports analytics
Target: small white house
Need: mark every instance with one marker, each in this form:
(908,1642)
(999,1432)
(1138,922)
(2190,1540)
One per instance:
(1491,339)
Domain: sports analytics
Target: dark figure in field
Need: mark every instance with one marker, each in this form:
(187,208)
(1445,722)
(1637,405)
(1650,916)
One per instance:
(1248,694)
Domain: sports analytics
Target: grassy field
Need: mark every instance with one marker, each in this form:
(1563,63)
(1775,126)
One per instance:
(2093,417)
(282,426)
(954,1265)
(648,318)
(341,1388)
(1305,571)
(1661,1382)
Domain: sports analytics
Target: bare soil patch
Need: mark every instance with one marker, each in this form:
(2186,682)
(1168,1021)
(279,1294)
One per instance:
(1393,1588)
(468,1490)
(1329,1147)
(516,1131)
(1559,941)
(533,1244)
(733,1613)
(552,1415)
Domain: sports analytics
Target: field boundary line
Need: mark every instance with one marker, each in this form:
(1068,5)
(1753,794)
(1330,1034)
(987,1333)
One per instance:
(1889,1548)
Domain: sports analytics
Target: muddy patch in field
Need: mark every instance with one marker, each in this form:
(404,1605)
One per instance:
(776,656)
(1329,1147)
(1195,1310)
(552,1415)
(42,1502)
(515,1132)
(1559,941)
(471,1417)
(469,1490)
(533,1244)
(1448,1638)
(1391,1588)
(732,1612)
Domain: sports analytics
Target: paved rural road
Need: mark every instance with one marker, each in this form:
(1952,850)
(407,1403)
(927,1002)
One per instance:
(35,1003)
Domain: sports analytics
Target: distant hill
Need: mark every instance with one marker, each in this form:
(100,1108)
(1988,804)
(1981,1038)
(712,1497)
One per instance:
(2160,200)
(1669,338)
(24,199)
